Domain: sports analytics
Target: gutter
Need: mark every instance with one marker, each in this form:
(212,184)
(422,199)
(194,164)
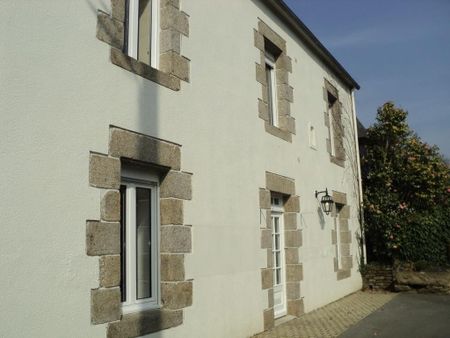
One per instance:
(288,17)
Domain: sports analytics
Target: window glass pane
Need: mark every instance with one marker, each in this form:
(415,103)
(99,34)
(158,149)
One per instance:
(145,28)
(277,259)
(276,225)
(123,247)
(270,89)
(278,276)
(277,242)
(143,243)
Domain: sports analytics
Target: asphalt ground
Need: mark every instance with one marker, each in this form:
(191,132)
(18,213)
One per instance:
(406,316)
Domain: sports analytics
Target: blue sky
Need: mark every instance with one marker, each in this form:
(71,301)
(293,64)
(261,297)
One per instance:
(397,50)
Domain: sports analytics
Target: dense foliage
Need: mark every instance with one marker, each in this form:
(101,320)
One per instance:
(406,192)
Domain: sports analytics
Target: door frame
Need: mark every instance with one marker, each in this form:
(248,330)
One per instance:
(277,211)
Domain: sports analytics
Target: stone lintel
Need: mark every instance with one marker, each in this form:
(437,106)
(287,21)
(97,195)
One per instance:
(131,145)
(281,184)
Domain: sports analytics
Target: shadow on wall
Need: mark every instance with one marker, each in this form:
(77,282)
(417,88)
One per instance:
(321,217)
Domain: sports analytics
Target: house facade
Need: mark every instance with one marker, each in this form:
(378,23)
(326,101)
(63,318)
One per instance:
(161,160)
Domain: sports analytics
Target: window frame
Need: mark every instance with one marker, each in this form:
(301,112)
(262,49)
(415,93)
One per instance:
(133,179)
(132,22)
(332,125)
(272,104)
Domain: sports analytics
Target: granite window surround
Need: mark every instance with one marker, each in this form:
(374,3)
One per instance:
(334,124)
(263,37)
(103,235)
(174,23)
(293,241)
(344,240)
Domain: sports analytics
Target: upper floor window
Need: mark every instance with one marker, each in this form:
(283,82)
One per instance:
(142,31)
(271,90)
(332,123)
(139,241)
(271,55)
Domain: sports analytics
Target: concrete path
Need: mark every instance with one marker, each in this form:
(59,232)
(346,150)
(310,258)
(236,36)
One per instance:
(332,319)
(407,316)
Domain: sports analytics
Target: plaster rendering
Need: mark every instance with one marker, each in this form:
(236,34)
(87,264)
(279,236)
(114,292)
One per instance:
(70,119)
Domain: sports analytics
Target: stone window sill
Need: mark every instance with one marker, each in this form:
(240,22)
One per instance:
(124,61)
(280,133)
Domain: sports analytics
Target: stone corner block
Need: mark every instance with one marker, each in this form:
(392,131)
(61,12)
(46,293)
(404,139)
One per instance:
(110,206)
(105,305)
(177,185)
(269,319)
(128,144)
(109,271)
(292,204)
(104,172)
(172,267)
(176,295)
(266,239)
(118,9)
(293,238)
(102,238)
(171,211)
(110,30)
(294,272)
(173,63)
(295,307)
(176,239)
(290,220)
(264,199)
(266,278)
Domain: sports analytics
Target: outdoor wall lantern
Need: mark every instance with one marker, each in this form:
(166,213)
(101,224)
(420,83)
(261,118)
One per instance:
(326,202)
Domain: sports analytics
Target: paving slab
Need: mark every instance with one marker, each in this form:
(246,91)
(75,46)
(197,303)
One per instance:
(332,319)
(407,316)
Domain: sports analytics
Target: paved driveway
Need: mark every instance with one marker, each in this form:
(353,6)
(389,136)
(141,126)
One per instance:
(366,314)
(407,316)
(332,319)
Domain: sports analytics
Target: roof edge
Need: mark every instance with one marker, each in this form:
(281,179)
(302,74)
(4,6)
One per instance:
(293,22)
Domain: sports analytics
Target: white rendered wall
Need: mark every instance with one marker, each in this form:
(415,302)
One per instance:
(59,95)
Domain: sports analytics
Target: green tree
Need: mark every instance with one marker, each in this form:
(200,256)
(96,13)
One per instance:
(406,190)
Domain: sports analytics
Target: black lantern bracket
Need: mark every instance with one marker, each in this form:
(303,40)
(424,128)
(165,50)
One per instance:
(326,202)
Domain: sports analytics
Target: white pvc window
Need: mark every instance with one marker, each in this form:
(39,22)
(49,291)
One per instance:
(139,240)
(143,31)
(271,89)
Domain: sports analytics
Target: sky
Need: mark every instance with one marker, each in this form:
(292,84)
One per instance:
(397,50)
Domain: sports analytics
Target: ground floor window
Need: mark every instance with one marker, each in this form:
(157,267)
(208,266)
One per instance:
(139,241)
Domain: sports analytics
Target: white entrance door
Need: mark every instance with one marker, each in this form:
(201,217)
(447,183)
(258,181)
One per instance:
(279,274)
